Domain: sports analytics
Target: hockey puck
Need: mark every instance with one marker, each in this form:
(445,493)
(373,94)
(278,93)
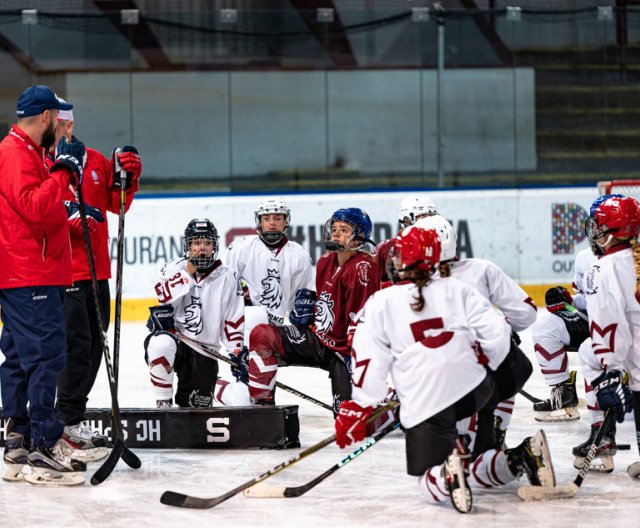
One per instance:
(623,447)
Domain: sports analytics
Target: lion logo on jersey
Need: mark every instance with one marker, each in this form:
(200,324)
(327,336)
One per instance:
(193,316)
(271,296)
(324,313)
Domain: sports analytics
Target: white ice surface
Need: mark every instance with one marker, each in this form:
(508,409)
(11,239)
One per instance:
(372,491)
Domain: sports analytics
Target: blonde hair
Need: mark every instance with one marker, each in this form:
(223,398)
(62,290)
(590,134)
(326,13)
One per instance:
(635,251)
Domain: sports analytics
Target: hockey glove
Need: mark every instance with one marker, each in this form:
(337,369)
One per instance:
(613,393)
(92,214)
(240,369)
(71,156)
(351,423)
(161,319)
(126,159)
(303,308)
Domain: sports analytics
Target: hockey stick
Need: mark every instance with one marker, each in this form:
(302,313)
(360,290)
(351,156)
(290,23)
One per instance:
(634,468)
(266,490)
(172,498)
(119,263)
(530,397)
(533,493)
(209,351)
(569,308)
(119,449)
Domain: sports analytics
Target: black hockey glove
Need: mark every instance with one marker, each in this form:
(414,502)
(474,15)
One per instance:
(161,319)
(240,370)
(71,156)
(613,393)
(303,311)
(73,211)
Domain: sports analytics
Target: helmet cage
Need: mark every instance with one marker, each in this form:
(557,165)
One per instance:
(198,230)
(272,206)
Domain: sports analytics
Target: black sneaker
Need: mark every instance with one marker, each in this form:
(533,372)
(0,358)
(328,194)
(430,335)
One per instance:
(532,457)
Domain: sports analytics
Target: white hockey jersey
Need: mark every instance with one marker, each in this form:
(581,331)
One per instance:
(614,313)
(502,291)
(434,356)
(209,309)
(272,275)
(584,259)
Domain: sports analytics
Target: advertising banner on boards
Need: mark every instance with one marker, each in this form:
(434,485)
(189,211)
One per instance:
(533,235)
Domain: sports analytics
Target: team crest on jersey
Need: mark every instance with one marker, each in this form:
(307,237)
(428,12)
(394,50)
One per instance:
(590,287)
(363,271)
(324,316)
(94,176)
(193,316)
(271,295)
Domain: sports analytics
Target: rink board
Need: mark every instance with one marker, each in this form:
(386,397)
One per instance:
(274,427)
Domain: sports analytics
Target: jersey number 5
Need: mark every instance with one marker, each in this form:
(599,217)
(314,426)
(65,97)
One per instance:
(420,328)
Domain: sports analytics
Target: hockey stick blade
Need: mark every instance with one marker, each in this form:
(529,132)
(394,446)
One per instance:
(537,493)
(268,491)
(130,458)
(109,464)
(172,498)
(634,470)
(533,493)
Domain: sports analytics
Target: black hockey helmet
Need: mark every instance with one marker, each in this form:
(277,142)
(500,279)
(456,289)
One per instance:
(201,229)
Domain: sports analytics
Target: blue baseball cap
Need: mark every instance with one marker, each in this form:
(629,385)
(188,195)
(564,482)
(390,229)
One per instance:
(38,98)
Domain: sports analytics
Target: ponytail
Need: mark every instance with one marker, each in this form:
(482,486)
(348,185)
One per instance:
(635,251)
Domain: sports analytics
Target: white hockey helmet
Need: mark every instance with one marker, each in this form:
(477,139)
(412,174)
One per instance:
(448,240)
(413,207)
(272,206)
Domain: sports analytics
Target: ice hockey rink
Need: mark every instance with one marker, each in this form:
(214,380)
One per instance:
(373,490)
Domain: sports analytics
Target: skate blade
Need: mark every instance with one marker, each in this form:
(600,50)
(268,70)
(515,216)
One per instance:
(540,447)
(600,464)
(568,414)
(13,473)
(48,477)
(90,455)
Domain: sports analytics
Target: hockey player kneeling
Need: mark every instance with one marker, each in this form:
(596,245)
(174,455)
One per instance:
(435,336)
(202,300)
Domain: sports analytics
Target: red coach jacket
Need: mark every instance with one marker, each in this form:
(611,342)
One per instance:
(97,192)
(34,231)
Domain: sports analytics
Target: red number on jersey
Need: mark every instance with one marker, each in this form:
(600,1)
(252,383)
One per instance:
(163,290)
(420,328)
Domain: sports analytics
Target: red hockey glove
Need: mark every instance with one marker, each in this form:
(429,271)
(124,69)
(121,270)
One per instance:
(75,225)
(351,423)
(129,161)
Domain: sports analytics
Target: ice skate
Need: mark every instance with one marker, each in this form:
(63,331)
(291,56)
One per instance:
(455,471)
(164,404)
(500,433)
(16,451)
(455,477)
(54,466)
(87,446)
(606,449)
(562,406)
(533,458)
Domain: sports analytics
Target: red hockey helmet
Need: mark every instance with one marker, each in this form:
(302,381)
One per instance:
(616,216)
(415,249)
